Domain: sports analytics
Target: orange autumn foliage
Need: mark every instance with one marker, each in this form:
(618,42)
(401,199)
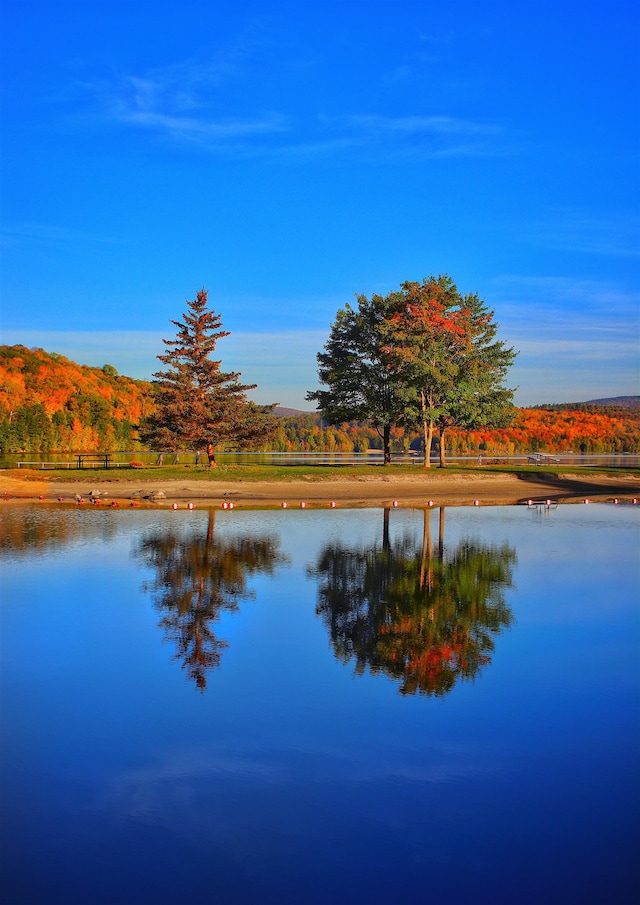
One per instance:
(48,402)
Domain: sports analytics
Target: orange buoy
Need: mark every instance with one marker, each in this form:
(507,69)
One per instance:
(284,505)
(332,504)
(303,505)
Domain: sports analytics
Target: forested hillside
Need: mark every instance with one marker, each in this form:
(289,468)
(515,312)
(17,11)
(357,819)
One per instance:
(48,403)
(588,429)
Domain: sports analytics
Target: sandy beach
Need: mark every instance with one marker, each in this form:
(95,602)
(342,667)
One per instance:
(437,488)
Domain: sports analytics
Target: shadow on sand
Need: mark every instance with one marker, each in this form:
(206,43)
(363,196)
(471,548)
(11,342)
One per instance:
(571,488)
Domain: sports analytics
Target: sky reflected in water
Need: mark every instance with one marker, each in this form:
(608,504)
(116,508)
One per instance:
(309,706)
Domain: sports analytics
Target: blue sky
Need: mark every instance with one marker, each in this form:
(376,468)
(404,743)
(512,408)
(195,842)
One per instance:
(288,156)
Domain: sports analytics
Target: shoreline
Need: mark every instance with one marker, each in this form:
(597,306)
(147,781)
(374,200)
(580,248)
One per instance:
(348,492)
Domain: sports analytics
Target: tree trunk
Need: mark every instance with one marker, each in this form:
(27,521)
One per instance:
(442,452)
(386,541)
(426,572)
(427,426)
(386,440)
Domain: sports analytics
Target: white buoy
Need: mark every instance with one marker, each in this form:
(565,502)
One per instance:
(430,502)
(586,501)
(189,505)
(332,504)
(284,505)
(476,502)
(303,505)
(174,506)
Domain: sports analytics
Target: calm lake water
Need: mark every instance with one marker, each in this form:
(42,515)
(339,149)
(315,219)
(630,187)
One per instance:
(320,706)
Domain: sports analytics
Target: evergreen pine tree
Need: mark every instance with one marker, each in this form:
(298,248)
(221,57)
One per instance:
(199,405)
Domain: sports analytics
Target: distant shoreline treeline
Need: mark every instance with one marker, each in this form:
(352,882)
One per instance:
(51,404)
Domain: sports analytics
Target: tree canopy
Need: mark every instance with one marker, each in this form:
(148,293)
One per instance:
(357,368)
(443,347)
(197,403)
(422,355)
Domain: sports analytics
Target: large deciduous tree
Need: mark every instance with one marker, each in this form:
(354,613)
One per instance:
(423,338)
(422,355)
(197,403)
(357,370)
(444,347)
(480,398)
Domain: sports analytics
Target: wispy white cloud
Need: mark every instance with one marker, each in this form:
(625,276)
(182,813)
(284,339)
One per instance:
(617,236)
(186,102)
(203,131)
(415,125)
(182,103)
(432,136)
(577,339)
(51,233)
(562,296)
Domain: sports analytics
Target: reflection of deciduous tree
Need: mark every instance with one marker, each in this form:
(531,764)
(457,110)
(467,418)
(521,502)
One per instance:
(427,620)
(197,578)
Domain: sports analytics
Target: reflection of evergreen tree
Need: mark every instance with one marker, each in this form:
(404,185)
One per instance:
(425,620)
(197,578)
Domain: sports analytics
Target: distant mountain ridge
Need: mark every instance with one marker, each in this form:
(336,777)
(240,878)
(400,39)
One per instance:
(617,401)
(281,411)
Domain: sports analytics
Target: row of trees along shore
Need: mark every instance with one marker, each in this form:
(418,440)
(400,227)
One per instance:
(419,367)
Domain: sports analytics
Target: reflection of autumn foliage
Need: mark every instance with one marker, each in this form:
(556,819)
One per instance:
(25,529)
(197,579)
(423,620)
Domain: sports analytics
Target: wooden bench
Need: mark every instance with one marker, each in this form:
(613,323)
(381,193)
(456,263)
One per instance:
(44,464)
